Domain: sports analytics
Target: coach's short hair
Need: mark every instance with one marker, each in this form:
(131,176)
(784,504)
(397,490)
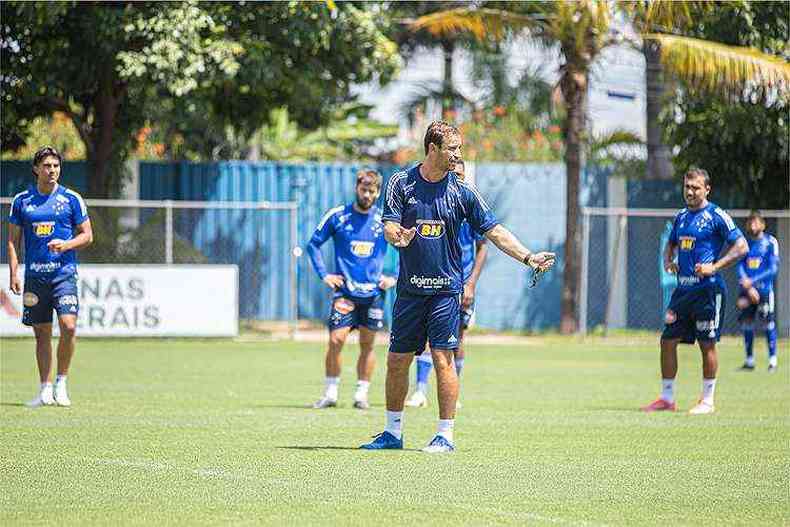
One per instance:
(370,173)
(44,152)
(437,132)
(698,172)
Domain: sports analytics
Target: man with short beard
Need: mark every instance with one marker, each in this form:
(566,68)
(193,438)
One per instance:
(358,283)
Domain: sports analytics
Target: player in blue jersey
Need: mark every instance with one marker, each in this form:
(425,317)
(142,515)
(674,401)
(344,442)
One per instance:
(424,209)
(699,233)
(54,223)
(358,283)
(756,275)
(475,250)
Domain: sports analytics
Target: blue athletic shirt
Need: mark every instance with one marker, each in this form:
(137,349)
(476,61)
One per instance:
(468,240)
(46,217)
(359,249)
(761,263)
(700,236)
(433,262)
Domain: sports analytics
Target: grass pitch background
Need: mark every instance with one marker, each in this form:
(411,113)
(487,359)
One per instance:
(196,432)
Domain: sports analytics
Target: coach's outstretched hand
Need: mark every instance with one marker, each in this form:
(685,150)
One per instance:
(398,235)
(542,261)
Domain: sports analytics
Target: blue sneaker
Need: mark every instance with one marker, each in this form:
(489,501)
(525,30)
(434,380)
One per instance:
(439,444)
(384,441)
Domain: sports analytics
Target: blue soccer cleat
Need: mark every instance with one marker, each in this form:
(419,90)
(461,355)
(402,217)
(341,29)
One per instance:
(384,441)
(439,444)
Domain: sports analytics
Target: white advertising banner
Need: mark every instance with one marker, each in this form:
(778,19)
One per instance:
(143,301)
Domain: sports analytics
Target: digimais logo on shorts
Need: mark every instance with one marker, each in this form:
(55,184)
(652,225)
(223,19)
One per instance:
(430,282)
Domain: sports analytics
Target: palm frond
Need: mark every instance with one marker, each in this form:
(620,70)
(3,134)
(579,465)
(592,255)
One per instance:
(718,67)
(482,23)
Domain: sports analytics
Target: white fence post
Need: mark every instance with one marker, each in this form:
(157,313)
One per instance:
(168,232)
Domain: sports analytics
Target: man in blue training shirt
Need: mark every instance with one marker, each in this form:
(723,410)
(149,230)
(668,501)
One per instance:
(358,283)
(424,209)
(699,233)
(474,250)
(756,273)
(54,222)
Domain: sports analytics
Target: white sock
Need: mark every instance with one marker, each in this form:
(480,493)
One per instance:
(749,361)
(708,389)
(332,383)
(422,387)
(362,389)
(60,379)
(668,390)
(445,428)
(394,424)
(772,360)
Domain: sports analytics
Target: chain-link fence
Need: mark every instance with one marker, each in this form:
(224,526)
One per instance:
(260,238)
(624,284)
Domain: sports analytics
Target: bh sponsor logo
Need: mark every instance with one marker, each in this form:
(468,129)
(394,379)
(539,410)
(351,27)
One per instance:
(687,243)
(430,282)
(362,249)
(42,229)
(430,229)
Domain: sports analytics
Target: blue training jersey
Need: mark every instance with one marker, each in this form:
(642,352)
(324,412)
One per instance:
(468,240)
(359,248)
(700,236)
(433,262)
(46,217)
(761,263)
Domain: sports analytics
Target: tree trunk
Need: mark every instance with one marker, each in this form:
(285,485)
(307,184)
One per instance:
(574,89)
(102,181)
(448,48)
(659,157)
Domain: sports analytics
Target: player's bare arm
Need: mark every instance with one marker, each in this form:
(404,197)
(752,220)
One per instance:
(397,234)
(481,253)
(669,258)
(83,238)
(509,244)
(14,237)
(736,251)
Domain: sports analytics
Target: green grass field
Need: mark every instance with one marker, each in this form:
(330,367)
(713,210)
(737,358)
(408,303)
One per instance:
(217,432)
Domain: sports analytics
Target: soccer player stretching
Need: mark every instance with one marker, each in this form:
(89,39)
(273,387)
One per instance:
(756,300)
(474,250)
(424,209)
(698,234)
(54,222)
(358,283)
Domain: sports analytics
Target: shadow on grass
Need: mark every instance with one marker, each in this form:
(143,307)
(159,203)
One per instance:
(12,404)
(310,407)
(319,448)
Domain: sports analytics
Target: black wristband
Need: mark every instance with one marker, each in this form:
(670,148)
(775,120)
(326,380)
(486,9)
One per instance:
(526,259)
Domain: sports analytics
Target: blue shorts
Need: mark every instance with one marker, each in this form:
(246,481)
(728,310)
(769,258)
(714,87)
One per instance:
(466,316)
(42,295)
(695,314)
(417,319)
(762,313)
(356,312)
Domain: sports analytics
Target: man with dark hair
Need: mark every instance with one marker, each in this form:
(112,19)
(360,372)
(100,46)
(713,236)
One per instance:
(474,250)
(54,222)
(756,275)
(358,283)
(424,209)
(699,233)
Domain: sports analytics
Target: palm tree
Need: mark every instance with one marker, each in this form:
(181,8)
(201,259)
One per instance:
(581,29)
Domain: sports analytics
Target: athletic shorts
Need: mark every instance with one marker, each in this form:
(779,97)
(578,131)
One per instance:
(417,319)
(44,294)
(763,312)
(466,316)
(695,314)
(356,312)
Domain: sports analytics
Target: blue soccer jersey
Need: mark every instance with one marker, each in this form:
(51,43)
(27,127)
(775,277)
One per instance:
(700,236)
(468,240)
(761,263)
(43,218)
(359,249)
(433,262)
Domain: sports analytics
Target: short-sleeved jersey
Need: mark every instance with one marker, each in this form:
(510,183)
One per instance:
(761,263)
(468,240)
(700,236)
(359,248)
(433,262)
(46,217)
